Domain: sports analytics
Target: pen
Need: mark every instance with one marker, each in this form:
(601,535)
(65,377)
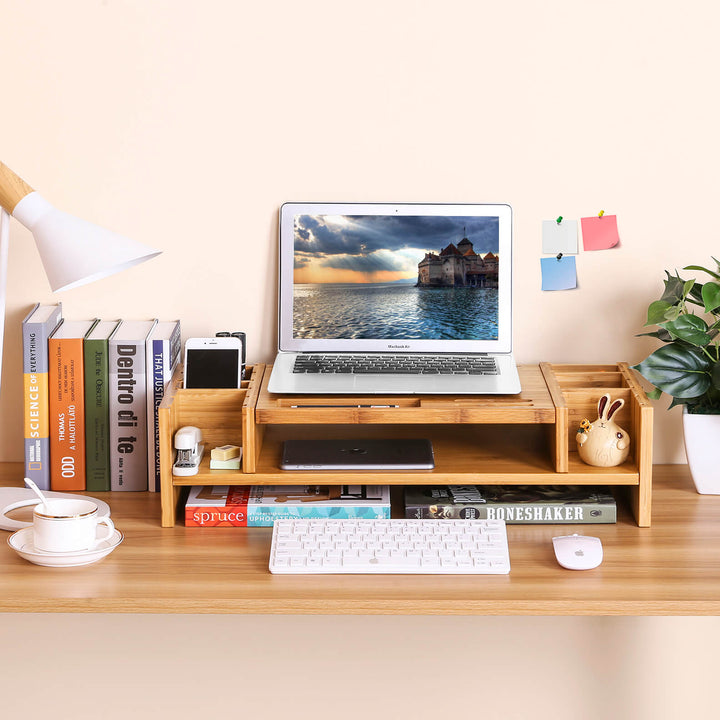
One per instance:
(344,406)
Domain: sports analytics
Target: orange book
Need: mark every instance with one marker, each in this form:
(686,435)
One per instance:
(67,405)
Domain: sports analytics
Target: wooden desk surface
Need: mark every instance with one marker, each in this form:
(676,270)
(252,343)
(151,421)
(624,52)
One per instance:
(671,568)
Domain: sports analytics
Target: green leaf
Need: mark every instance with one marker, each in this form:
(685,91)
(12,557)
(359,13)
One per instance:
(695,295)
(679,371)
(711,296)
(687,287)
(673,313)
(703,269)
(716,376)
(661,334)
(654,394)
(677,401)
(674,289)
(656,312)
(690,328)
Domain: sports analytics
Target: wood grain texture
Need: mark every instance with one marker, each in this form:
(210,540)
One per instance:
(533,405)
(668,569)
(223,416)
(12,188)
(516,439)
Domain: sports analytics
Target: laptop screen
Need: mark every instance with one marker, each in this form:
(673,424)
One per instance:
(409,277)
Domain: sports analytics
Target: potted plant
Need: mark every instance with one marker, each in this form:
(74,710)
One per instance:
(687,366)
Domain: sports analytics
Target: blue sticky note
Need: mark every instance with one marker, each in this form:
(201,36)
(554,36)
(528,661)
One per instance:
(558,273)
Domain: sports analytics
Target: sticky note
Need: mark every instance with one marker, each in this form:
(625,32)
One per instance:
(600,233)
(558,273)
(560,237)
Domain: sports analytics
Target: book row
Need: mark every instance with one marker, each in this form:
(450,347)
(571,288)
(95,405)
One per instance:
(91,394)
(261,505)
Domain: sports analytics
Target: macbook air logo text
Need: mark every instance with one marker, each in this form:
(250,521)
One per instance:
(398,347)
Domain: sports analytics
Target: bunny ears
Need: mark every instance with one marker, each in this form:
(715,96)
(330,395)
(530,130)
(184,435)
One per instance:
(605,412)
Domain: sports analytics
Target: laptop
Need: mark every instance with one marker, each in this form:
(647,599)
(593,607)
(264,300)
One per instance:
(407,298)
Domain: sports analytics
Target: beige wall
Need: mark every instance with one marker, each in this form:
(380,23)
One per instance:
(186,125)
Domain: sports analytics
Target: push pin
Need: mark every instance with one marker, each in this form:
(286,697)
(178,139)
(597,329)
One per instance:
(559,256)
(601,213)
(559,220)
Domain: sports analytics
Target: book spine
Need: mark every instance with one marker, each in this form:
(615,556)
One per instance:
(156,360)
(259,516)
(36,410)
(97,438)
(241,515)
(67,414)
(517,513)
(128,416)
(162,358)
(204,516)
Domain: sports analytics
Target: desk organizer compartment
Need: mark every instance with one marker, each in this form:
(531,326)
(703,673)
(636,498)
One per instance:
(224,416)
(576,390)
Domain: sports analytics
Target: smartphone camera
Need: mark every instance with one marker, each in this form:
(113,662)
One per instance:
(241,337)
(214,362)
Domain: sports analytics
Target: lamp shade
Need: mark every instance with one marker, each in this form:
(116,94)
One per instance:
(73,251)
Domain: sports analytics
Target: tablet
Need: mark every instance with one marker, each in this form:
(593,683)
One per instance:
(372,454)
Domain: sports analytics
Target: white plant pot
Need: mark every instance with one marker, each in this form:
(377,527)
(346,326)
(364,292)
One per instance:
(702,437)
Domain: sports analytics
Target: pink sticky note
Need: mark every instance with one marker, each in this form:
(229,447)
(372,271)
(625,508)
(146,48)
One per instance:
(600,233)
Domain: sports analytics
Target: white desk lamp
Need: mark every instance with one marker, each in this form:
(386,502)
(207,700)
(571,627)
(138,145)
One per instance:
(73,252)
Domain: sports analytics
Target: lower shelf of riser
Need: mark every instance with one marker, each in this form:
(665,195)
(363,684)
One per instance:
(464,454)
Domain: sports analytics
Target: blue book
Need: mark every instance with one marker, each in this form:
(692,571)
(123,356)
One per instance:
(163,355)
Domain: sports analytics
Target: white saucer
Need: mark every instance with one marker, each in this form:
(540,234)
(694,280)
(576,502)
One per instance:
(12,498)
(22,543)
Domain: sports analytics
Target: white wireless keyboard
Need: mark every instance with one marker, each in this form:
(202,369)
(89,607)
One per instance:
(390,546)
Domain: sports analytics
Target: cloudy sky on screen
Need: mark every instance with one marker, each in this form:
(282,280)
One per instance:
(380,248)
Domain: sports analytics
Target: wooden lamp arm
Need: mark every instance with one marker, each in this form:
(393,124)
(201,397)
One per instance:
(12,189)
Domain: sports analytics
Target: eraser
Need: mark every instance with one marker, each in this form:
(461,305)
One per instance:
(225,452)
(233,464)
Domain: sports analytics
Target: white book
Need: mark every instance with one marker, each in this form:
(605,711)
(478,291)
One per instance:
(128,413)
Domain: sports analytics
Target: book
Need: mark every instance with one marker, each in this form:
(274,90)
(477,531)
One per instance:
(37,327)
(518,504)
(97,406)
(66,384)
(128,411)
(162,356)
(261,505)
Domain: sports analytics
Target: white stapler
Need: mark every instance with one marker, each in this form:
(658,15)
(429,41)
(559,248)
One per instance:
(189,447)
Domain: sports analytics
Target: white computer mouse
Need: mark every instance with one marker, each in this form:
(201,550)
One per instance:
(578,552)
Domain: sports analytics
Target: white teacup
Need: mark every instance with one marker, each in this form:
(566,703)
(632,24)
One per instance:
(65,525)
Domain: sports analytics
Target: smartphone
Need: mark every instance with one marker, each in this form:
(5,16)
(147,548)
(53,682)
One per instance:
(240,336)
(213,362)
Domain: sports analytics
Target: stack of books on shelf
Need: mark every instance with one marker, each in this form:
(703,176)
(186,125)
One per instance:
(261,505)
(91,393)
(515,504)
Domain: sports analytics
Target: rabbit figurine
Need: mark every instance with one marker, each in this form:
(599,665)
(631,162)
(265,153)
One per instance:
(603,443)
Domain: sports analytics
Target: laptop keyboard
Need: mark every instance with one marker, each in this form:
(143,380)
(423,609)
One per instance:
(396,364)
